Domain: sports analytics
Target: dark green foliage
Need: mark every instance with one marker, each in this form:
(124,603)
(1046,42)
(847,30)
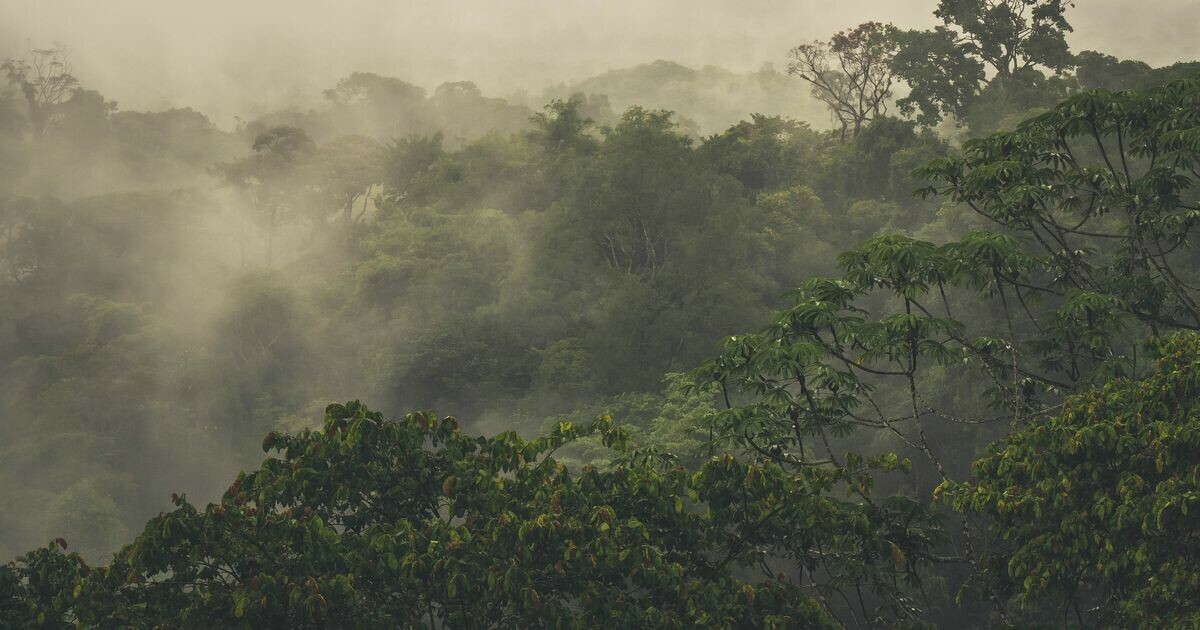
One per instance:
(563,128)
(1098,70)
(994,51)
(764,153)
(375,523)
(1011,35)
(1096,506)
(1007,101)
(1103,184)
(942,79)
(40,593)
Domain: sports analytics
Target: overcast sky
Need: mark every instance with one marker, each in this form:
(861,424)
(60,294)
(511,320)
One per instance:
(226,57)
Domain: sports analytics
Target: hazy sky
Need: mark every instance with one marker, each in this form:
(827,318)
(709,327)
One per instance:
(226,57)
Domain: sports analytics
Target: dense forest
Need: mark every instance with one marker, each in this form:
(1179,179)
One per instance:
(903,334)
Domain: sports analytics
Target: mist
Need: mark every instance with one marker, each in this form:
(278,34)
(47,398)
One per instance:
(219,222)
(232,59)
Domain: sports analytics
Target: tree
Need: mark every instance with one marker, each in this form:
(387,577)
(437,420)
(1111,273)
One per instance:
(1092,209)
(563,127)
(1011,35)
(1091,508)
(267,176)
(408,160)
(945,67)
(851,73)
(45,82)
(1103,185)
(876,165)
(1007,101)
(640,192)
(13,157)
(463,113)
(340,172)
(765,152)
(262,353)
(381,107)
(376,523)
(170,148)
(566,139)
(1098,70)
(380,92)
(941,78)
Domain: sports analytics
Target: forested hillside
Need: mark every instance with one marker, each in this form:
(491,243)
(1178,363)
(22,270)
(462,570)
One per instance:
(620,361)
(704,100)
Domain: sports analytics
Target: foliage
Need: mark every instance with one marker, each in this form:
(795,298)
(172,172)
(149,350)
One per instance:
(1098,70)
(341,172)
(268,176)
(945,67)
(852,73)
(942,80)
(706,100)
(375,523)
(763,153)
(1093,504)
(45,82)
(1011,35)
(1103,187)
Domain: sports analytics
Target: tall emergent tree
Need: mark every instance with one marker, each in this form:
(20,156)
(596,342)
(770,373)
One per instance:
(851,73)
(45,81)
(339,174)
(983,43)
(1011,35)
(267,177)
